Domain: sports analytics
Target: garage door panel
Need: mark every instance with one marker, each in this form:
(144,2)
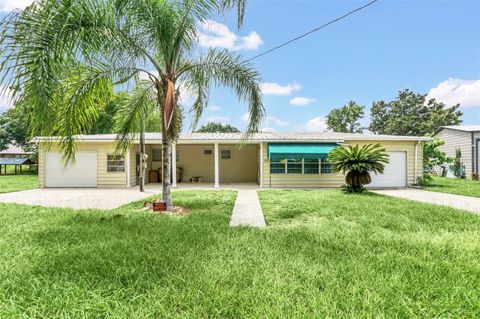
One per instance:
(81,173)
(395,173)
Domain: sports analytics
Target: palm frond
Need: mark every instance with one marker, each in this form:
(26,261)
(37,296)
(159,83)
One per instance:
(225,68)
(368,158)
(133,113)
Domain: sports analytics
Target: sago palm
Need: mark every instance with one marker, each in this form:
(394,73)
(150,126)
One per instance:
(64,57)
(358,162)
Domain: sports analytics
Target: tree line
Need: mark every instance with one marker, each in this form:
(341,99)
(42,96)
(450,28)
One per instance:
(410,114)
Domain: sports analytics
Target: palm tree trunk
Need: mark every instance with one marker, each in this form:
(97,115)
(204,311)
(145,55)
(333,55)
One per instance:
(166,178)
(166,150)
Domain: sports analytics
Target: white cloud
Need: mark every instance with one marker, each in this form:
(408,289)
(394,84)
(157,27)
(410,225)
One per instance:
(10,5)
(220,119)
(316,124)
(5,98)
(453,91)
(267,130)
(218,35)
(300,101)
(268,121)
(213,108)
(272,120)
(271,88)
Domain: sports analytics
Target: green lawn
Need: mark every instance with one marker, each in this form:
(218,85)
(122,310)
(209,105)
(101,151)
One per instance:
(13,183)
(25,170)
(324,254)
(466,187)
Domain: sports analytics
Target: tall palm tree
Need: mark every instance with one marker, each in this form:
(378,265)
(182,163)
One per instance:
(64,57)
(358,162)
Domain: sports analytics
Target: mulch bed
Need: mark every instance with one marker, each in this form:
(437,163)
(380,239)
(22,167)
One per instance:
(176,210)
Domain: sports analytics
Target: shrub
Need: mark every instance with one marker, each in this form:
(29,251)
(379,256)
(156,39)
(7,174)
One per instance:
(357,163)
(349,189)
(424,180)
(457,163)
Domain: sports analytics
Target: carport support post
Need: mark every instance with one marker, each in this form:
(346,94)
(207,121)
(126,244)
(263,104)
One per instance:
(174,165)
(217,179)
(142,161)
(261,165)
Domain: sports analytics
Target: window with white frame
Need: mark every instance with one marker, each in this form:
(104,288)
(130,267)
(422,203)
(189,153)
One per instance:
(277,166)
(325,166)
(157,155)
(177,155)
(311,166)
(115,163)
(305,166)
(294,166)
(226,154)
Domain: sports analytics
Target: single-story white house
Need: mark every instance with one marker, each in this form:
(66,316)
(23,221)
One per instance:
(14,151)
(467,139)
(267,159)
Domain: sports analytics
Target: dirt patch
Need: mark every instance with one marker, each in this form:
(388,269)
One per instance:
(176,210)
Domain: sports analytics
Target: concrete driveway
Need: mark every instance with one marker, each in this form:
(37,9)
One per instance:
(471,204)
(78,198)
(101,198)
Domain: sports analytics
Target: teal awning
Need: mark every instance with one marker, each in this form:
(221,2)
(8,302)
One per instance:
(295,150)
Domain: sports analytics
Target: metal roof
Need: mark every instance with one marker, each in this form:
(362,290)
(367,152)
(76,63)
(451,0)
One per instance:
(464,128)
(256,137)
(15,161)
(14,149)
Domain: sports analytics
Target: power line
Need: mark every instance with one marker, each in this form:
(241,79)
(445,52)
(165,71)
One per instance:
(313,30)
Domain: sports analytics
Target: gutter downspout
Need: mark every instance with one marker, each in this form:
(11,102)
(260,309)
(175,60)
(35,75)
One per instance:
(127,167)
(416,163)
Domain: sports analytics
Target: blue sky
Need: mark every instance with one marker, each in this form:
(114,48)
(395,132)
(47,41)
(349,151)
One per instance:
(427,46)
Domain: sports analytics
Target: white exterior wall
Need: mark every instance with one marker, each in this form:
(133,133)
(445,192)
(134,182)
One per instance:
(457,139)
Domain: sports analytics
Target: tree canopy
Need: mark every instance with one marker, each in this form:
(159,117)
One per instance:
(412,114)
(14,129)
(346,118)
(216,127)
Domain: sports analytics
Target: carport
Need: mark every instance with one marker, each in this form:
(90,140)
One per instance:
(17,162)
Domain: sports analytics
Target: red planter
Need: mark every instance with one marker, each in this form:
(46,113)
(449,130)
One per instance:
(159,206)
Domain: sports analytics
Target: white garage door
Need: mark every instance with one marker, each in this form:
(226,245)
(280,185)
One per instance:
(395,174)
(82,173)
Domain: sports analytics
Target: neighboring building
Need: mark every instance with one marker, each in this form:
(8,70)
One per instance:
(465,137)
(14,151)
(266,159)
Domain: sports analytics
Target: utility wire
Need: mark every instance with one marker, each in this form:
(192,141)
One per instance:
(312,31)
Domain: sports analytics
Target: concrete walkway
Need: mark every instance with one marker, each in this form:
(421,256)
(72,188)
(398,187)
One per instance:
(471,204)
(247,210)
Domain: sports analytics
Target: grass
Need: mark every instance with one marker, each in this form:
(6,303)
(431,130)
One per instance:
(14,183)
(324,254)
(25,170)
(465,187)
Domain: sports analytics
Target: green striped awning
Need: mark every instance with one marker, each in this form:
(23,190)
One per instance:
(295,150)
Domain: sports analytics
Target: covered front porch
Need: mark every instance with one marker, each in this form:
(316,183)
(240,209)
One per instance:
(203,165)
